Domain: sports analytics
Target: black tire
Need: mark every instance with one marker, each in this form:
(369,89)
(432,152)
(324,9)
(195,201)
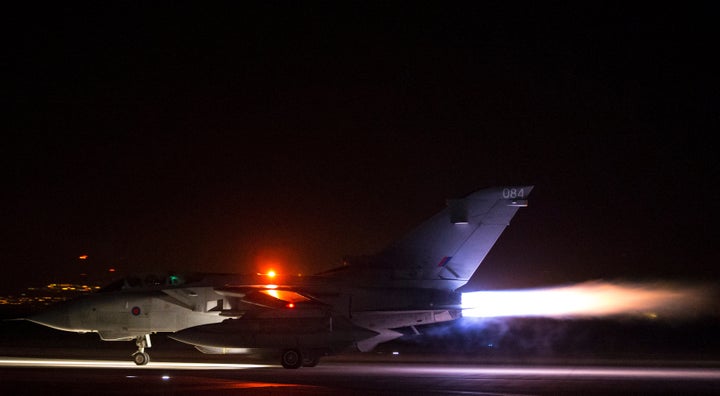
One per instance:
(310,360)
(141,358)
(291,359)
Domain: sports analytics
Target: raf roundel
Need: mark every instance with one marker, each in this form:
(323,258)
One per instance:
(135,311)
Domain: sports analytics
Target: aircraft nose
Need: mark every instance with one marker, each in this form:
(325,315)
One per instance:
(56,318)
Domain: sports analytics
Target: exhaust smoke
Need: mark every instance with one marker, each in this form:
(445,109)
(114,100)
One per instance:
(591,299)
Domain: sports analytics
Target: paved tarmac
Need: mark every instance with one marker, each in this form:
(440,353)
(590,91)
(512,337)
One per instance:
(36,360)
(25,376)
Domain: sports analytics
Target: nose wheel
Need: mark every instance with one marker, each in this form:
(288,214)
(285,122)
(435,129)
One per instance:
(141,357)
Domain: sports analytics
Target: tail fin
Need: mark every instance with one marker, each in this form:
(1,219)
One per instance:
(444,251)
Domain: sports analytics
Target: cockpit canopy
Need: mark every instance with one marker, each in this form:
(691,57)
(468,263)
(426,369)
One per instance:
(149,281)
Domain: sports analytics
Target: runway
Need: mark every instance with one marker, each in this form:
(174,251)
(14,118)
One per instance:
(73,376)
(35,360)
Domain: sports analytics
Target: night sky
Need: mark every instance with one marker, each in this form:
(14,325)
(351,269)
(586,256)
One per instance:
(223,139)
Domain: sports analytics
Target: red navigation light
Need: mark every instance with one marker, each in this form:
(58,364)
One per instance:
(290,305)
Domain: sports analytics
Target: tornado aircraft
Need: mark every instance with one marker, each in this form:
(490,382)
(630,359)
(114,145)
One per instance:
(358,305)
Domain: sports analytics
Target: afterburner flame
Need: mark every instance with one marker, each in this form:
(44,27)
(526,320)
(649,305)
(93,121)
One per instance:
(587,300)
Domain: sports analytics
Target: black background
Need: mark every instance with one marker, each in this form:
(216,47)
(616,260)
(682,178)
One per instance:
(213,138)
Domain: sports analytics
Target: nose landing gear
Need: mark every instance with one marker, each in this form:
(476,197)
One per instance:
(140,357)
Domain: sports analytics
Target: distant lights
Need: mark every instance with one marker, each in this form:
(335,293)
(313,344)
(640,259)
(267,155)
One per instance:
(83,257)
(66,287)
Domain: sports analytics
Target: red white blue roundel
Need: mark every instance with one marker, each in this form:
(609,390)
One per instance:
(135,311)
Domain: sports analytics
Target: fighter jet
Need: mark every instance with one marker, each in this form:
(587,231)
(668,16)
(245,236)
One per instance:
(360,304)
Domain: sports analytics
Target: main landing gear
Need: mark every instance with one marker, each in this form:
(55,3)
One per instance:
(141,357)
(293,358)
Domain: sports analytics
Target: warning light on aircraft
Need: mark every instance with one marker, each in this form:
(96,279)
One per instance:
(290,305)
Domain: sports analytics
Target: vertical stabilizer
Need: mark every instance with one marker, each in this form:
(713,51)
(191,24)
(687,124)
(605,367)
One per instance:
(444,251)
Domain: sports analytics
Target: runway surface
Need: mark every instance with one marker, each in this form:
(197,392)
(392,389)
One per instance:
(37,360)
(72,376)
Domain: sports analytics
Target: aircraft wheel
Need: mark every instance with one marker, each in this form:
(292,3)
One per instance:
(291,359)
(310,360)
(141,358)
